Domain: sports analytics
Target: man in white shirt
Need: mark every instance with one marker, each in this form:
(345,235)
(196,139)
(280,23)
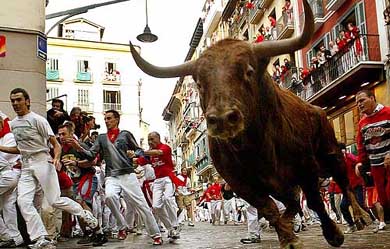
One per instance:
(8,180)
(184,199)
(33,134)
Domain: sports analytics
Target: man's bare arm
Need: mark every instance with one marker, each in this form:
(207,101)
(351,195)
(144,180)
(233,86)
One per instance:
(153,152)
(10,150)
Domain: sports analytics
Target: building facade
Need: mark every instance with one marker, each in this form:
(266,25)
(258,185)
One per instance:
(93,75)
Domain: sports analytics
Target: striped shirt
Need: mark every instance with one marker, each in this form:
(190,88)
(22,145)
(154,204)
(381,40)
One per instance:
(373,139)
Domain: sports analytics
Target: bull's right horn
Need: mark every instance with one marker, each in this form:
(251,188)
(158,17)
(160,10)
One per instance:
(184,69)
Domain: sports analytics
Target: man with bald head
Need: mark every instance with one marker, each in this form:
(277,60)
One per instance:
(159,156)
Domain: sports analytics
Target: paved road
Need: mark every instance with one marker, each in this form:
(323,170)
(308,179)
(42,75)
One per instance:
(204,235)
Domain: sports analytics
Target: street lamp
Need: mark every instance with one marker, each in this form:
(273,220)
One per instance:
(147,35)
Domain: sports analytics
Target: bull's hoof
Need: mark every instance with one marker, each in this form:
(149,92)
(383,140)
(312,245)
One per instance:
(333,234)
(295,244)
(359,224)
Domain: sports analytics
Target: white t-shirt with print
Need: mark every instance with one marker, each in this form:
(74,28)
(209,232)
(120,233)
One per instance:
(32,133)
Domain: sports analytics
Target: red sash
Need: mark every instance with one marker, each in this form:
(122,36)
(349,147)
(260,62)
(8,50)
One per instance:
(85,178)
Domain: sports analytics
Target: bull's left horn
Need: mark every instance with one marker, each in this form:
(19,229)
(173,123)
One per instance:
(286,46)
(184,69)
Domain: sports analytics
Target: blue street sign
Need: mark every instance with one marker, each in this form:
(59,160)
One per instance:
(42,48)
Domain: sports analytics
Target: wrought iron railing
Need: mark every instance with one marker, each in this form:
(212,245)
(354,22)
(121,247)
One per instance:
(334,68)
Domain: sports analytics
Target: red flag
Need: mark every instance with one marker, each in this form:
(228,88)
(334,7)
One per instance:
(2,46)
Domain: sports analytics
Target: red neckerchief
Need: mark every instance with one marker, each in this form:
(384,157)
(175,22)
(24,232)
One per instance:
(185,179)
(112,134)
(6,129)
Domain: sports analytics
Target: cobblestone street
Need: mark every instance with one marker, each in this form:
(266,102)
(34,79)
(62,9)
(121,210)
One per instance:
(204,235)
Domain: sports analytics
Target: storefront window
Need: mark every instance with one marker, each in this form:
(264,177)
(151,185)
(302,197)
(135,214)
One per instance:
(336,127)
(349,128)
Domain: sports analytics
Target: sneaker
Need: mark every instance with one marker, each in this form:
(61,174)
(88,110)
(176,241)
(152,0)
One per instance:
(8,244)
(99,239)
(191,224)
(85,240)
(42,242)
(250,240)
(162,229)
(122,235)
(350,229)
(157,241)
(89,219)
(174,234)
(381,226)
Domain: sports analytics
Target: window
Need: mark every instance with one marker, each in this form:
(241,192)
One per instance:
(82,66)
(111,100)
(111,73)
(83,97)
(52,64)
(51,93)
(337,130)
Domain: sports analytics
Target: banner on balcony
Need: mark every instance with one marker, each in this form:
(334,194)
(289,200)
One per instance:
(2,45)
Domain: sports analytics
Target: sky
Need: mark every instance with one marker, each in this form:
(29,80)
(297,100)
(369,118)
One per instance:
(173,21)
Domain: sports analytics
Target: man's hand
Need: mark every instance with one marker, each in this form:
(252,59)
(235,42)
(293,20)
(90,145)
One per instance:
(68,162)
(58,114)
(357,169)
(57,163)
(74,143)
(131,153)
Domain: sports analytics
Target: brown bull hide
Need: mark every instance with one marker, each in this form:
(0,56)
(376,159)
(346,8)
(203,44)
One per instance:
(265,140)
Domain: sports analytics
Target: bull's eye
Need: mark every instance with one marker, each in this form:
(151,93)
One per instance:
(249,72)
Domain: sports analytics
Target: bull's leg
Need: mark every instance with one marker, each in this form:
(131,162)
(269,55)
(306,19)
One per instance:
(336,166)
(291,201)
(333,235)
(267,208)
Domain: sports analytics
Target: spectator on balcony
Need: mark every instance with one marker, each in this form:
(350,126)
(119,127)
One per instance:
(326,52)
(386,15)
(314,63)
(276,74)
(268,34)
(320,58)
(287,64)
(287,11)
(354,33)
(260,35)
(272,21)
(57,115)
(334,48)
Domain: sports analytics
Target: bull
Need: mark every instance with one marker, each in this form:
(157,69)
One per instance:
(265,140)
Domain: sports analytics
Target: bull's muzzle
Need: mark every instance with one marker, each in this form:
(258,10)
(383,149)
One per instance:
(225,124)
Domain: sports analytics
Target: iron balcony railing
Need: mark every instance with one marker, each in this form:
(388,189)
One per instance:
(112,106)
(286,21)
(334,68)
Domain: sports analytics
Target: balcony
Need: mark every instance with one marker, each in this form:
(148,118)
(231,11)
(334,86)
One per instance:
(334,4)
(212,17)
(53,75)
(87,107)
(112,106)
(343,73)
(113,78)
(201,163)
(83,77)
(285,25)
(258,11)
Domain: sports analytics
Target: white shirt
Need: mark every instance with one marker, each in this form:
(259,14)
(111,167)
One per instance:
(32,133)
(184,190)
(7,160)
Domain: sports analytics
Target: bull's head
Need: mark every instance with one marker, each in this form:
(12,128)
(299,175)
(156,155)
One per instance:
(229,76)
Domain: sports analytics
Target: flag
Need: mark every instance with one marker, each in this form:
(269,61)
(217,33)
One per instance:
(2,46)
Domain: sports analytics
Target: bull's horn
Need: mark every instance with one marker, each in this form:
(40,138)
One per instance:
(184,69)
(286,46)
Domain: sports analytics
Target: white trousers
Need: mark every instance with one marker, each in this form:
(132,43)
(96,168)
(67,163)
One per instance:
(253,222)
(8,221)
(216,207)
(128,186)
(164,203)
(229,206)
(38,172)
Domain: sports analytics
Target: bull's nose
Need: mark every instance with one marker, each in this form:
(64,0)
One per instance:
(232,117)
(212,119)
